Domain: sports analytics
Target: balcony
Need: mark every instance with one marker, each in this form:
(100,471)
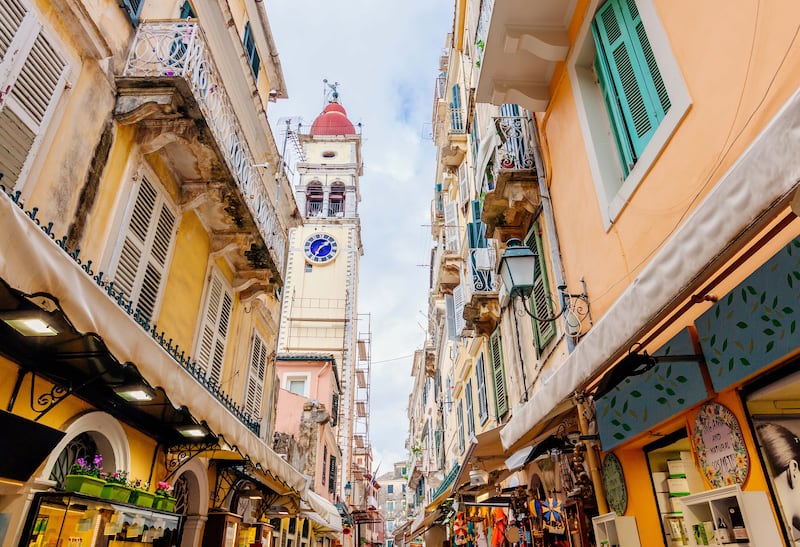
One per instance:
(522,43)
(449,125)
(446,266)
(171,90)
(509,207)
(482,307)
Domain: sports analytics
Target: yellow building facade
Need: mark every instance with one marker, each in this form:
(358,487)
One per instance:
(145,223)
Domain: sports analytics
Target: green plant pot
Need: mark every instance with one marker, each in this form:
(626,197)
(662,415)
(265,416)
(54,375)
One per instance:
(116,492)
(142,498)
(85,484)
(163,503)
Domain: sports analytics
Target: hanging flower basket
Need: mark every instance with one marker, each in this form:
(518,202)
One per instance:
(86,484)
(142,498)
(116,492)
(164,503)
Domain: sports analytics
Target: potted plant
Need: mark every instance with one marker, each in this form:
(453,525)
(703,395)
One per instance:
(116,487)
(84,476)
(164,500)
(141,495)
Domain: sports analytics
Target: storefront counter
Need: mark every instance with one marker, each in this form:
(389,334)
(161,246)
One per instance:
(76,520)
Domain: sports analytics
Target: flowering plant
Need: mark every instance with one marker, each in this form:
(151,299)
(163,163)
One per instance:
(164,488)
(117,477)
(139,484)
(85,466)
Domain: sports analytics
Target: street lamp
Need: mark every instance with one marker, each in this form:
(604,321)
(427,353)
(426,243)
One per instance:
(519,268)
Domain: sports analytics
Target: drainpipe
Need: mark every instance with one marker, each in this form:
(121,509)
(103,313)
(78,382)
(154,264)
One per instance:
(547,211)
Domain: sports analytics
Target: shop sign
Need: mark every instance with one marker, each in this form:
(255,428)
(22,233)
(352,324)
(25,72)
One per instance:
(614,484)
(720,446)
(756,323)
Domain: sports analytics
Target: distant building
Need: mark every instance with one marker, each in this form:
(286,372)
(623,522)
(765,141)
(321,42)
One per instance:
(392,500)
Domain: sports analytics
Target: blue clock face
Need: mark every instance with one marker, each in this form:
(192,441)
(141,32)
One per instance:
(320,248)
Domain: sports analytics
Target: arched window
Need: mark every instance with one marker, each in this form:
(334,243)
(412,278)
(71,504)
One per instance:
(314,199)
(336,200)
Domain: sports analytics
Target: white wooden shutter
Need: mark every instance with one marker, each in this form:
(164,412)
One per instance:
(255,379)
(451,234)
(459,300)
(142,261)
(214,330)
(463,183)
(32,76)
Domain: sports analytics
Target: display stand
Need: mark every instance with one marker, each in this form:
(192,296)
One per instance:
(615,531)
(755,509)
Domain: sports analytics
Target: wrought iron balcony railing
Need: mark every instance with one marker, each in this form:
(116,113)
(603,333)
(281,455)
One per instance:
(179,49)
(515,152)
(482,267)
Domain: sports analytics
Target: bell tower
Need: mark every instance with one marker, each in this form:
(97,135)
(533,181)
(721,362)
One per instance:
(320,312)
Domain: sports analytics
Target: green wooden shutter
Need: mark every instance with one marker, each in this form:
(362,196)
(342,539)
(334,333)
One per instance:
(470,408)
(249,42)
(460,416)
(134,9)
(480,375)
(186,11)
(540,302)
(499,373)
(627,69)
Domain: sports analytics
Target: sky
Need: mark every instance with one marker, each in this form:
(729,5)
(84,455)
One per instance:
(385,57)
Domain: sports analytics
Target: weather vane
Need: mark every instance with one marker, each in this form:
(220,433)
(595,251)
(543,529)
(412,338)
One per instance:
(332,94)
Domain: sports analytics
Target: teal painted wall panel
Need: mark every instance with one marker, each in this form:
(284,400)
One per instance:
(641,402)
(756,323)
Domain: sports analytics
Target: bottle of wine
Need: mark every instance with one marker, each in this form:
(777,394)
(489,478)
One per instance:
(737,524)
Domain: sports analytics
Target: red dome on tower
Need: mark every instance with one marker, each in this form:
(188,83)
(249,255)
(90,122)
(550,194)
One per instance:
(333,121)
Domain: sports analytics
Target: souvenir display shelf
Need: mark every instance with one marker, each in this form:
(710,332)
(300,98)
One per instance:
(611,530)
(710,506)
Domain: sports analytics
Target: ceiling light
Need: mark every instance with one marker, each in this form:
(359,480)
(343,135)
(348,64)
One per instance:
(193,431)
(135,393)
(30,325)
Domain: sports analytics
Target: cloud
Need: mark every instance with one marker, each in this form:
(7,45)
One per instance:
(385,58)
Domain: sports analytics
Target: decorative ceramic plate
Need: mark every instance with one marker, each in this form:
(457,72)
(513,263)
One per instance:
(614,483)
(720,446)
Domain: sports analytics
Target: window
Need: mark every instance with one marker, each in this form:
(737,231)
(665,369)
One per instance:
(336,200)
(498,373)
(214,328)
(133,8)
(332,475)
(460,418)
(251,51)
(540,302)
(324,462)
(314,197)
(390,506)
(480,375)
(309,267)
(629,78)
(456,115)
(141,263)
(470,409)
(33,75)
(297,385)
(630,95)
(334,409)
(404,488)
(390,489)
(256,374)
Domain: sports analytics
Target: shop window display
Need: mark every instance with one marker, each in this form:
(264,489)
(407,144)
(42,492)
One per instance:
(74,520)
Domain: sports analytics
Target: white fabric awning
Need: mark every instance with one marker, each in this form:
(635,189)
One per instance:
(31,262)
(324,514)
(766,174)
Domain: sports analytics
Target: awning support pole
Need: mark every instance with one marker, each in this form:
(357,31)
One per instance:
(591,456)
